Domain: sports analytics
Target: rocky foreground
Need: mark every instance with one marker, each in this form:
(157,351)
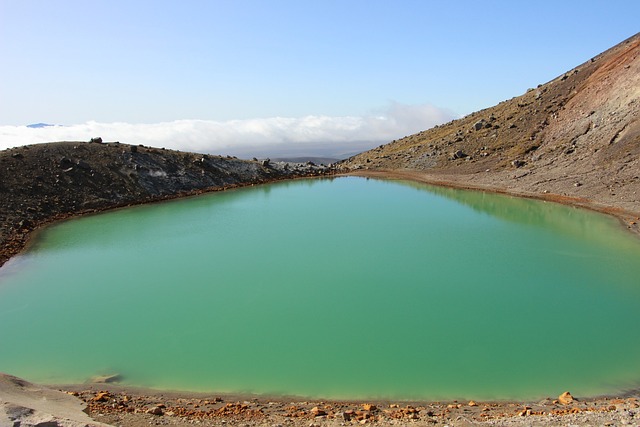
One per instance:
(26,404)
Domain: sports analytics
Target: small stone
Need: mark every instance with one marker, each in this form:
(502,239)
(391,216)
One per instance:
(479,124)
(369,407)
(526,412)
(317,412)
(459,154)
(156,410)
(472,403)
(102,396)
(565,398)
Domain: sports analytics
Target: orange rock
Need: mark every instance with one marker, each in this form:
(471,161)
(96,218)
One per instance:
(369,407)
(472,403)
(317,412)
(526,412)
(565,398)
(156,410)
(102,396)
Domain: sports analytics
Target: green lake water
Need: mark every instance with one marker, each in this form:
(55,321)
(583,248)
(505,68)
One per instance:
(335,288)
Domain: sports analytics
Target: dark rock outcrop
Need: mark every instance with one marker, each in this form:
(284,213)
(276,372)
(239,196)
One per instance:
(45,182)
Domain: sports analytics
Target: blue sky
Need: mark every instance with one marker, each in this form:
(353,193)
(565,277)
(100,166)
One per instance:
(237,62)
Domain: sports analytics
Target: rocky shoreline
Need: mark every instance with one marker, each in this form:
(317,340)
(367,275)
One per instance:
(123,407)
(108,404)
(52,182)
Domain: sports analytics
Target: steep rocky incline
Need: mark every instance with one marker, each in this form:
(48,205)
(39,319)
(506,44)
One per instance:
(575,138)
(44,182)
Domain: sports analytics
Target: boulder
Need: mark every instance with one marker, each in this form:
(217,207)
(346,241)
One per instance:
(317,412)
(65,163)
(459,154)
(102,396)
(565,398)
(479,124)
(347,415)
(156,410)
(83,165)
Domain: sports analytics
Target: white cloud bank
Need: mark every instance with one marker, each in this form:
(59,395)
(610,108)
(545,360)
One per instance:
(238,137)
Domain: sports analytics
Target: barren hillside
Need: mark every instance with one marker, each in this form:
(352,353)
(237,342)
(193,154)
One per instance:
(574,138)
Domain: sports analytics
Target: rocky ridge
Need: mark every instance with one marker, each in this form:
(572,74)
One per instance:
(42,183)
(575,139)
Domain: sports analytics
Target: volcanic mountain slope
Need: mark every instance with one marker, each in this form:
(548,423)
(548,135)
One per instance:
(576,137)
(44,182)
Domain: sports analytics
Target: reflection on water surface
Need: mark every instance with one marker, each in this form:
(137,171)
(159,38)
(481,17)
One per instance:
(341,287)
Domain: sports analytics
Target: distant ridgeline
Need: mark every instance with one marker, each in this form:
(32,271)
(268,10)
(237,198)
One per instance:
(39,125)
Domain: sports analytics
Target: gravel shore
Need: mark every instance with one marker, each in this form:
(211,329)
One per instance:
(111,404)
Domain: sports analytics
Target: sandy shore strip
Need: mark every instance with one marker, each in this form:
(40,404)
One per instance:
(110,404)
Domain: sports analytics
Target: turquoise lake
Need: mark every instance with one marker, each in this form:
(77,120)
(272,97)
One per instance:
(334,288)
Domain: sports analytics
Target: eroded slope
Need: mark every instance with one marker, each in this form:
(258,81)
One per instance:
(577,136)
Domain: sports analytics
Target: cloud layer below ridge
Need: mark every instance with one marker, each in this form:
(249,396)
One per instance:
(240,137)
